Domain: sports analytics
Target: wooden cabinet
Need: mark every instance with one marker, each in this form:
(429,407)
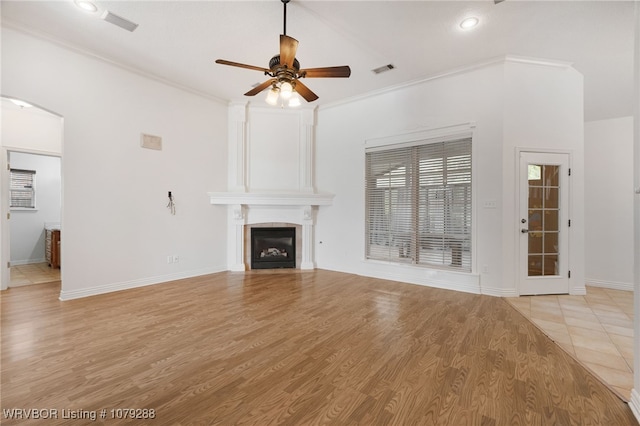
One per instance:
(52,247)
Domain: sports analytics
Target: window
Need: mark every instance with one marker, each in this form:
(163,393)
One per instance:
(22,189)
(418,204)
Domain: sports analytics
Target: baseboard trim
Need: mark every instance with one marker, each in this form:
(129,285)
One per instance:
(610,284)
(127,285)
(499,292)
(578,291)
(635,403)
(444,279)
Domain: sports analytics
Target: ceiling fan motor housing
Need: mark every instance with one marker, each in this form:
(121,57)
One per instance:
(275,61)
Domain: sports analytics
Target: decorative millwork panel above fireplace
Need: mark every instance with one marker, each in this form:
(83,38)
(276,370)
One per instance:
(271,177)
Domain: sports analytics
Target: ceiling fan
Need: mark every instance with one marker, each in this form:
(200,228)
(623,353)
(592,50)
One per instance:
(284,70)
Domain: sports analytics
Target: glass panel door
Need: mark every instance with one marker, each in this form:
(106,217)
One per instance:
(543,223)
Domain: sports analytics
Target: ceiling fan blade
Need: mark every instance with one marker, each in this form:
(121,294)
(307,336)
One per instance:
(237,64)
(260,88)
(305,92)
(343,71)
(288,48)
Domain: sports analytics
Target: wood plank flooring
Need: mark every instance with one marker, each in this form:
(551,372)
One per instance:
(293,349)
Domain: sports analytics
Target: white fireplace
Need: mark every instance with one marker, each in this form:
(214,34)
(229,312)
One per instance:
(271,177)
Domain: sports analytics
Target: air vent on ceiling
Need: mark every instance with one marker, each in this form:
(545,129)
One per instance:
(384,68)
(119,21)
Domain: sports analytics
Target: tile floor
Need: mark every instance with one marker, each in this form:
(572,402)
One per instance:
(33,273)
(596,329)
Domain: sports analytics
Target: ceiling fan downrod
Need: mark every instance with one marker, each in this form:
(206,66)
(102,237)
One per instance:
(284,2)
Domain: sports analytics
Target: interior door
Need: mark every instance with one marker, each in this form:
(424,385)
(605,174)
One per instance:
(544,223)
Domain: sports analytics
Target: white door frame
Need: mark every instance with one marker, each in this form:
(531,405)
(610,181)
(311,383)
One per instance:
(561,283)
(5,247)
(5,227)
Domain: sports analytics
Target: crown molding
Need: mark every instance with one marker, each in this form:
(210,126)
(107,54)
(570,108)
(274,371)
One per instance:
(456,71)
(12,25)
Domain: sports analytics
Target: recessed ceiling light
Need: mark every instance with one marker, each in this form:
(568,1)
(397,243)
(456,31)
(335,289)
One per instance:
(21,104)
(469,23)
(86,6)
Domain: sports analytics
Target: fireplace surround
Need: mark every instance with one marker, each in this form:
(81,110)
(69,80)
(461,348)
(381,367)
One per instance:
(246,209)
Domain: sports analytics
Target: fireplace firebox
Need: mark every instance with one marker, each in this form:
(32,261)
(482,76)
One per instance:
(273,248)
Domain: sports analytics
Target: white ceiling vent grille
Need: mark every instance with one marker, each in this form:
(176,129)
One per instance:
(119,21)
(383,68)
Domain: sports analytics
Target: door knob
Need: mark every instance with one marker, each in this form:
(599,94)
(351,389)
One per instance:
(524,231)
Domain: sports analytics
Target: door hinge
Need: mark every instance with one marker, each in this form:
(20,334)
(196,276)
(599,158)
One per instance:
(569,274)
(569,171)
(8,215)
(569,223)
(8,264)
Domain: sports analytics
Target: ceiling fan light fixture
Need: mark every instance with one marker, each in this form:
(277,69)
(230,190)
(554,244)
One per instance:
(286,90)
(272,96)
(295,100)
(469,23)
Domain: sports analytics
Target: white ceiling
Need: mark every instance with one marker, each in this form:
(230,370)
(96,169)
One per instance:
(178,41)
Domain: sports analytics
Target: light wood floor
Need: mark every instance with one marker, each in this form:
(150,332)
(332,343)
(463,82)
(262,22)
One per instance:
(293,348)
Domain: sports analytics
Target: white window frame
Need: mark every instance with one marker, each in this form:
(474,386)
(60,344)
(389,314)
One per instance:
(19,180)
(452,239)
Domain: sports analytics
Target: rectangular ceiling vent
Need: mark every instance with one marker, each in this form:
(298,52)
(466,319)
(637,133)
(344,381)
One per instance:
(384,68)
(119,21)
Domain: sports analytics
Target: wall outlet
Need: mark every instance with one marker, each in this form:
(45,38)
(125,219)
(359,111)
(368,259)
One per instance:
(169,259)
(176,258)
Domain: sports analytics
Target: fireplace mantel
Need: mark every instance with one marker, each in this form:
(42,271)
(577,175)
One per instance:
(271,198)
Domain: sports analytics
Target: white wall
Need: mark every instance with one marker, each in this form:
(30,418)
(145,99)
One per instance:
(117,229)
(544,110)
(30,129)
(27,226)
(488,96)
(608,205)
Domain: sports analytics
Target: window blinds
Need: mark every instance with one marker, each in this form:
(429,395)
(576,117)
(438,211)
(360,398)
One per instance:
(22,188)
(418,204)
